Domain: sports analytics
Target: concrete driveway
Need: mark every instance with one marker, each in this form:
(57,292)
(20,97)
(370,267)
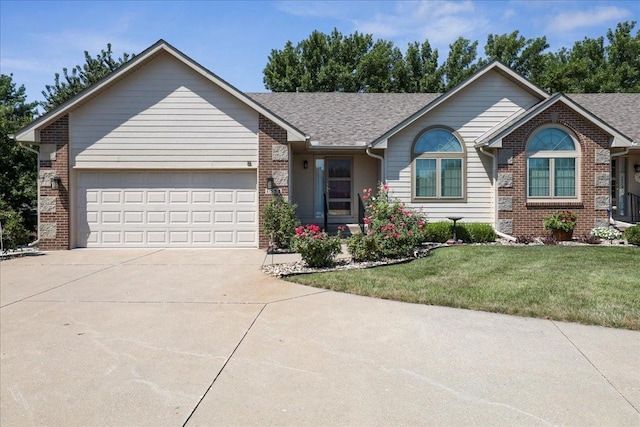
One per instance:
(182,337)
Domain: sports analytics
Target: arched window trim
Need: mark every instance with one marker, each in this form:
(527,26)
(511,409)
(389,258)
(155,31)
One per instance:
(551,169)
(438,157)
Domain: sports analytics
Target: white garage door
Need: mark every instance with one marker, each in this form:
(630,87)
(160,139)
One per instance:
(166,209)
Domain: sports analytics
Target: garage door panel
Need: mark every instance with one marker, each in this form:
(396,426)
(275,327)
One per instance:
(133,237)
(176,197)
(201,217)
(246,217)
(246,197)
(156,197)
(110,197)
(179,217)
(131,197)
(111,218)
(201,197)
(222,217)
(111,237)
(223,237)
(164,209)
(134,217)
(157,217)
(202,237)
(223,197)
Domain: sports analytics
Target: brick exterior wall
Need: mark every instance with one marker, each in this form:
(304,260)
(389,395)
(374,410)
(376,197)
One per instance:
(527,218)
(273,162)
(54,219)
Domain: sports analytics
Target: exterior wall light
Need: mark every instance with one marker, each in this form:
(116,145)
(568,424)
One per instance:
(55,182)
(270,183)
(305,164)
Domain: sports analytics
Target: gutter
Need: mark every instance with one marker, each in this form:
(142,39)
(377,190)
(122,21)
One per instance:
(382,162)
(37,153)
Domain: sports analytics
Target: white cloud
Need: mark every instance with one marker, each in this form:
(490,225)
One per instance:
(571,20)
(15,64)
(441,22)
(508,14)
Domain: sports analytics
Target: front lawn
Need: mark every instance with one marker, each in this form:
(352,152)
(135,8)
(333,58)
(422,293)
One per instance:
(586,284)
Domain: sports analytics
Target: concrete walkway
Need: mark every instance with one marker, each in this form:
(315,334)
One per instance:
(202,337)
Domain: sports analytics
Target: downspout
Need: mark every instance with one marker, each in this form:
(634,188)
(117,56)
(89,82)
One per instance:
(494,181)
(382,165)
(37,153)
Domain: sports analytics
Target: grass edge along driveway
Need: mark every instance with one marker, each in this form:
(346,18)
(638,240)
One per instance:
(584,284)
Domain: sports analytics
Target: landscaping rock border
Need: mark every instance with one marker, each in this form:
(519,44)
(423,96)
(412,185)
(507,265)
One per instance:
(294,268)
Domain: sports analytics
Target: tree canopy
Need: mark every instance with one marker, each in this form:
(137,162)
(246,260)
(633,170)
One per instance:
(81,77)
(17,166)
(355,63)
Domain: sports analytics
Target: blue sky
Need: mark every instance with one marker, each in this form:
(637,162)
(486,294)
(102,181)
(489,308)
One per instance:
(234,38)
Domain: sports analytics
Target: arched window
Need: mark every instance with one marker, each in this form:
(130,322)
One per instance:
(552,165)
(438,165)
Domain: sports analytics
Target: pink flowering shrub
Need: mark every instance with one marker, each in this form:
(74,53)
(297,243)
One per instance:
(393,229)
(316,247)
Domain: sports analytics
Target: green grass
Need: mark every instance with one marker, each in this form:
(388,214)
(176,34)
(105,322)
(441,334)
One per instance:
(585,284)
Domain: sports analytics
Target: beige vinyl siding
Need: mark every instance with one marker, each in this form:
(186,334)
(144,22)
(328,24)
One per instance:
(164,115)
(475,110)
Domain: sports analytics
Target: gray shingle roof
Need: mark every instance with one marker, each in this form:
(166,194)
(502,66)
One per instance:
(620,110)
(356,119)
(343,119)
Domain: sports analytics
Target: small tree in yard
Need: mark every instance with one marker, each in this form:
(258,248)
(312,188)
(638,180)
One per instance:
(280,221)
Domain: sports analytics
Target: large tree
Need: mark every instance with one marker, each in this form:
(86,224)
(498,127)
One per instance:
(356,64)
(525,56)
(81,77)
(18,185)
(461,62)
(424,74)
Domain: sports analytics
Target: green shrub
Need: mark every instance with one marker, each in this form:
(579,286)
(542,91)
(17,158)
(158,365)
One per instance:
(632,234)
(363,247)
(438,232)
(393,230)
(561,220)
(481,233)
(280,221)
(14,233)
(316,247)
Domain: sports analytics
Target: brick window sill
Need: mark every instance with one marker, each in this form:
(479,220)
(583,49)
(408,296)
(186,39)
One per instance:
(553,204)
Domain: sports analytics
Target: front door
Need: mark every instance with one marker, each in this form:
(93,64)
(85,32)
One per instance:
(334,184)
(339,187)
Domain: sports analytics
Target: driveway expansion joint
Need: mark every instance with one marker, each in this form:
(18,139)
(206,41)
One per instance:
(224,365)
(60,285)
(595,367)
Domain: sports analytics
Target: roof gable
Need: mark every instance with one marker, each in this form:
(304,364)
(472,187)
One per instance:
(30,133)
(496,66)
(493,138)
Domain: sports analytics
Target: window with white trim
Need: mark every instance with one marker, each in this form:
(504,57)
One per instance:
(438,165)
(552,165)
